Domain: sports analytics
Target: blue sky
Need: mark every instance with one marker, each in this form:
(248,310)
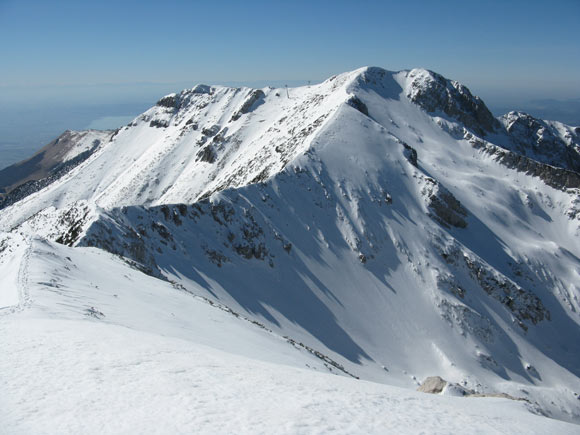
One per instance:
(80,64)
(518,47)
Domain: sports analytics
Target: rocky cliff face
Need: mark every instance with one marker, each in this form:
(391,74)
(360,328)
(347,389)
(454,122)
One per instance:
(549,142)
(435,93)
(555,176)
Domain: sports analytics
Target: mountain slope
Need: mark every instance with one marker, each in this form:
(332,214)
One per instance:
(48,164)
(384,219)
(123,352)
(551,142)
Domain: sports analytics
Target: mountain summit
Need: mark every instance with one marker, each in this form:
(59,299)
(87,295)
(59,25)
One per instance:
(384,221)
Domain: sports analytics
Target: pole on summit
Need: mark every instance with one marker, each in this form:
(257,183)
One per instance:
(287,94)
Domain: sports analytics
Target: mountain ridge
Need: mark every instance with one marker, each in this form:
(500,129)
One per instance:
(393,238)
(425,88)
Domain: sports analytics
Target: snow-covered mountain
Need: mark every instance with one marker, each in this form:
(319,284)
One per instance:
(48,164)
(380,225)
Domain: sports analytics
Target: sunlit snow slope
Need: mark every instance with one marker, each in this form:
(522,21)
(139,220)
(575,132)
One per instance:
(163,360)
(384,220)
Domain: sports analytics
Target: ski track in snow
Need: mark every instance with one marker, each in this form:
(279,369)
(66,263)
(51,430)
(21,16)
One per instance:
(19,286)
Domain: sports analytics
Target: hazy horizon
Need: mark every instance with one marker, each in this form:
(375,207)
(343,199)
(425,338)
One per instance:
(72,65)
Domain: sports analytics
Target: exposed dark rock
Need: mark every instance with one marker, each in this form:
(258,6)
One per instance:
(210,131)
(220,137)
(447,209)
(410,154)
(162,231)
(206,154)
(449,284)
(216,257)
(558,178)
(182,209)
(166,212)
(115,133)
(249,104)
(222,213)
(93,312)
(523,304)
(542,141)
(357,104)
(125,242)
(170,101)
(249,251)
(159,123)
(261,177)
(192,123)
(327,361)
(74,223)
(434,92)
(298,136)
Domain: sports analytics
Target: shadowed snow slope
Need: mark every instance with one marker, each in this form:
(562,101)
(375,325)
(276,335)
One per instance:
(384,222)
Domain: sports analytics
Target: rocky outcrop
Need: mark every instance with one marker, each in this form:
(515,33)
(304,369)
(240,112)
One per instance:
(169,101)
(523,304)
(433,385)
(159,123)
(410,154)
(434,93)
(172,103)
(144,235)
(445,208)
(255,96)
(211,130)
(206,154)
(558,178)
(466,320)
(548,142)
(356,103)
(438,385)
(73,221)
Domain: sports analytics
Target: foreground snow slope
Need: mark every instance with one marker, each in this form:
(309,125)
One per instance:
(386,220)
(56,282)
(123,353)
(83,377)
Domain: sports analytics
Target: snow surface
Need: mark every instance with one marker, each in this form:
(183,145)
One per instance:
(311,219)
(150,359)
(83,141)
(82,377)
